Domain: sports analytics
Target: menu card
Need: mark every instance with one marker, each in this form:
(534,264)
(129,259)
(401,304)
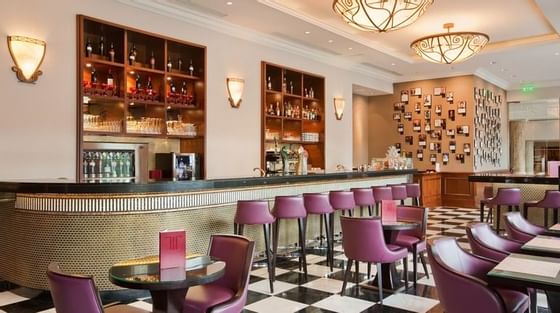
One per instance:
(172,249)
(388,211)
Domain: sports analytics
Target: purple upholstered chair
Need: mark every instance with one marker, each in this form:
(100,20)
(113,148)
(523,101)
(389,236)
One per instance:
(363,241)
(505,196)
(77,293)
(518,228)
(460,280)
(379,194)
(364,198)
(413,240)
(413,191)
(229,293)
(485,242)
(399,193)
(342,201)
(318,204)
(255,212)
(290,207)
(551,200)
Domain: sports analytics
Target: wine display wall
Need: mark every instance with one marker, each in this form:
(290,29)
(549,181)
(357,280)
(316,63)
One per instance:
(133,83)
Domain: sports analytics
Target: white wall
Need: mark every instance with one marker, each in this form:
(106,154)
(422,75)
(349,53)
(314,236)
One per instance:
(538,94)
(360,130)
(38,122)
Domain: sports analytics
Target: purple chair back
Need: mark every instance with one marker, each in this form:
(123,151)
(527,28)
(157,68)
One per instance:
(72,293)
(453,270)
(363,196)
(485,242)
(413,214)
(488,192)
(342,200)
(253,212)
(237,252)
(317,203)
(288,207)
(551,200)
(398,192)
(413,190)
(362,240)
(382,193)
(506,196)
(519,228)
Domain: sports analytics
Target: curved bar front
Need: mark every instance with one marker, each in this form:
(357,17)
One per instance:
(87,233)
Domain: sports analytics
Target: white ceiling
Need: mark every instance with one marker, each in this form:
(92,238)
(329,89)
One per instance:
(524,40)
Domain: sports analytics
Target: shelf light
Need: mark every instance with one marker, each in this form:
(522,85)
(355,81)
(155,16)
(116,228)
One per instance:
(339,105)
(28,54)
(235,91)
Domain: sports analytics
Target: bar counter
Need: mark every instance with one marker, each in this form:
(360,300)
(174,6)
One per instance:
(89,227)
(507,178)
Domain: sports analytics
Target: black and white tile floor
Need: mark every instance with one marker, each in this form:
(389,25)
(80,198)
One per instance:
(320,293)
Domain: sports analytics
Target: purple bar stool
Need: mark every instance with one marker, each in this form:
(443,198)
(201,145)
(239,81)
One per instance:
(413,191)
(342,201)
(518,228)
(380,194)
(363,241)
(364,198)
(487,194)
(505,196)
(255,212)
(318,204)
(290,207)
(399,193)
(551,200)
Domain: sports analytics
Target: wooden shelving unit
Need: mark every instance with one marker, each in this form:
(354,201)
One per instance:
(293,107)
(146,96)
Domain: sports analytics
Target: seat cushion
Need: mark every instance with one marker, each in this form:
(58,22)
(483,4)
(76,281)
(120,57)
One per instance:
(516,302)
(201,298)
(121,308)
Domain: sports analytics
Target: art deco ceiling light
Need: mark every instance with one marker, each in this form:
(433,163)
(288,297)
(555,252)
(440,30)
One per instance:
(447,48)
(380,15)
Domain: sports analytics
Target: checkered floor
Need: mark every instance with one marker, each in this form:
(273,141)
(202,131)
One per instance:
(320,293)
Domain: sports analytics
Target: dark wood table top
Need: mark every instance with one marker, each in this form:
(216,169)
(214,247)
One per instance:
(399,225)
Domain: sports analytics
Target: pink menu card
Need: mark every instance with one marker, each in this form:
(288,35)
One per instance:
(388,211)
(172,249)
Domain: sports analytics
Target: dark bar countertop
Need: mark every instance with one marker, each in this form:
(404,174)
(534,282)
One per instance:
(68,186)
(514,178)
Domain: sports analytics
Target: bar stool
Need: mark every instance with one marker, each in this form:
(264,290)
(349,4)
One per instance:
(318,204)
(399,193)
(342,201)
(505,196)
(255,212)
(487,194)
(413,191)
(551,200)
(379,194)
(289,207)
(363,197)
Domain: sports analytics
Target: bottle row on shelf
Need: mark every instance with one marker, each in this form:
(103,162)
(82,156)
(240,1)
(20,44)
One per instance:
(293,111)
(144,125)
(117,164)
(288,87)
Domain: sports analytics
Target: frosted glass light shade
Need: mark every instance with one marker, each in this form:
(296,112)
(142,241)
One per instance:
(339,105)
(28,54)
(235,91)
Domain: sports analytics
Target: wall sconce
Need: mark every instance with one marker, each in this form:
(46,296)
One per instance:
(339,104)
(235,91)
(28,54)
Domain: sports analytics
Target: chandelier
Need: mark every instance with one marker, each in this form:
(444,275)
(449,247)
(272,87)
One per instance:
(447,48)
(380,15)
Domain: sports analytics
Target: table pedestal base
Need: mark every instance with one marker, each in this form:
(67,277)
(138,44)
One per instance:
(168,301)
(390,276)
(553,299)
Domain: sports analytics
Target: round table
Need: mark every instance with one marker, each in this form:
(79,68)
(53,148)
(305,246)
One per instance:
(169,287)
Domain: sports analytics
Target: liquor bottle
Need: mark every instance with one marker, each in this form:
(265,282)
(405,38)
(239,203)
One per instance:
(311,93)
(93,75)
(269,83)
(132,55)
(101,46)
(277,108)
(112,52)
(180,64)
(305,93)
(85,163)
(138,83)
(285,109)
(110,79)
(191,68)
(89,48)
(149,86)
(291,87)
(270,109)
(284,86)
(152,61)
(169,64)
(172,87)
(184,88)
(304,112)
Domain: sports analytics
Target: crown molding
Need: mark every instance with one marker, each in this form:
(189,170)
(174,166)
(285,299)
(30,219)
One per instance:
(191,16)
(491,78)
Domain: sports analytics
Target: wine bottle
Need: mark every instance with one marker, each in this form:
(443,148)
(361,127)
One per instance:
(284,86)
(172,87)
(184,88)
(132,55)
(305,93)
(89,48)
(110,79)
(112,52)
(291,87)
(93,75)
(152,60)
(191,68)
(180,64)
(169,64)
(277,108)
(138,83)
(269,84)
(101,46)
(149,86)
(311,93)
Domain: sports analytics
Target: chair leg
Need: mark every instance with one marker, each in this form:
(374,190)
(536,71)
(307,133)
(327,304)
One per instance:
(370,210)
(424,265)
(240,229)
(533,301)
(350,213)
(266,230)
(545,217)
(368,270)
(405,268)
(301,230)
(330,249)
(346,274)
(402,202)
(331,227)
(414,265)
(321,230)
(380,282)
(357,275)
(555,217)
(235,229)
(481,211)
(275,247)
(498,218)
(525,210)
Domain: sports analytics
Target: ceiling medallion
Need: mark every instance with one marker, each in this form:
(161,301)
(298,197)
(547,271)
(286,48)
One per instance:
(380,15)
(447,48)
